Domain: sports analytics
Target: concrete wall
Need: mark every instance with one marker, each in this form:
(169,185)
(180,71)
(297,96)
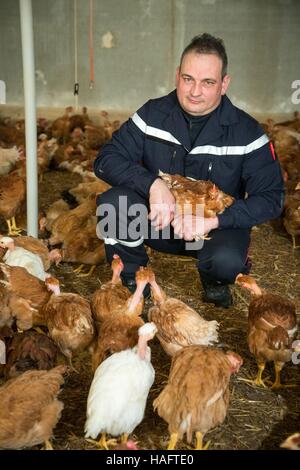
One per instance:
(137,45)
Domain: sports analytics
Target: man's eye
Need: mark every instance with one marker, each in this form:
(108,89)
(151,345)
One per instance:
(187,79)
(209,82)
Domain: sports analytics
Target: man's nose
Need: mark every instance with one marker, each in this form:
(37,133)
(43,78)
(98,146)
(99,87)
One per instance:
(196,89)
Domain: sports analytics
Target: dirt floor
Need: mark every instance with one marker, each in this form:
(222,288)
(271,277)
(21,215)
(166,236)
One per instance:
(257,418)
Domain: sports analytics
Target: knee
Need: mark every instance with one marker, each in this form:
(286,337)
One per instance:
(225,265)
(228,264)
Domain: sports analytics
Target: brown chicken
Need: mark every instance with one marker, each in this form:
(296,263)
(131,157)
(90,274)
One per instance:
(6,318)
(12,196)
(26,296)
(112,295)
(30,408)
(69,320)
(120,331)
(27,351)
(196,397)
(72,221)
(85,248)
(291,216)
(190,193)
(272,328)
(178,324)
(50,215)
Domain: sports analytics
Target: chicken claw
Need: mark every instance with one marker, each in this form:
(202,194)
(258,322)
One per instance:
(103,443)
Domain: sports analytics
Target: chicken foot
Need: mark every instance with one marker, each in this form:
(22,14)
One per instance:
(277,383)
(258,379)
(48,445)
(199,442)
(12,227)
(80,268)
(103,443)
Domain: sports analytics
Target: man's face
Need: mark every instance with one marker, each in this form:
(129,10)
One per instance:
(199,83)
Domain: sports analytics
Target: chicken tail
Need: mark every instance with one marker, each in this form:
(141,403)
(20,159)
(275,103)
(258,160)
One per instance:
(208,333)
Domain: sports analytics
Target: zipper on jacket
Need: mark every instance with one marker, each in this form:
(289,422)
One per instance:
(209,168)
(174,154)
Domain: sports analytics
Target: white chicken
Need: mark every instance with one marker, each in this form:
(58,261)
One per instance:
(18,256)
(119,391)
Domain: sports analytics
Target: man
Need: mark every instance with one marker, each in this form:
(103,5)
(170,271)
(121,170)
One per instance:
(195,131)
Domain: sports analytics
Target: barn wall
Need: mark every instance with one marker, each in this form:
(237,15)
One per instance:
(137,45)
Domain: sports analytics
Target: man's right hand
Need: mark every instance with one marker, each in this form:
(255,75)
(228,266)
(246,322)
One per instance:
(162,204)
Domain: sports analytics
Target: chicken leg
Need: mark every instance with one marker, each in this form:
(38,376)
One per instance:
(199,442)
(277,383)
(258,380)
(103,443)
(12,227)
(173,441)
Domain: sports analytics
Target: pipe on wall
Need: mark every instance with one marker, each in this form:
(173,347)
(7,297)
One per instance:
(30,116)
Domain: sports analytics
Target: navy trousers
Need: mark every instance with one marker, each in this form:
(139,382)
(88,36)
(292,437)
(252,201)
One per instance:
(220,259)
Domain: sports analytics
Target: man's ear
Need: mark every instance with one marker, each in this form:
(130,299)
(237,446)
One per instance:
(177,76)
(225,84)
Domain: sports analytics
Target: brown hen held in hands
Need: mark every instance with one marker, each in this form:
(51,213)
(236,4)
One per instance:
(190,193)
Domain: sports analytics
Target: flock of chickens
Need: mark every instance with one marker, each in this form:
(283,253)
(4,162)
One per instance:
(38,321)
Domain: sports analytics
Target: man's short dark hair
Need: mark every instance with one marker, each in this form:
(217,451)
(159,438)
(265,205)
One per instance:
(207,44)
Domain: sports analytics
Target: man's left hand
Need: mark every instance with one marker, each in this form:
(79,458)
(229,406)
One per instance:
(189,226)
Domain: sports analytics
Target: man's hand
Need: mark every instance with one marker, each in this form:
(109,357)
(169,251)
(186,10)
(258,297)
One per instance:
(162,205)
(190,227)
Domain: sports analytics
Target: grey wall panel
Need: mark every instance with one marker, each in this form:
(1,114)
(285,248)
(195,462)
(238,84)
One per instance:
(137,45)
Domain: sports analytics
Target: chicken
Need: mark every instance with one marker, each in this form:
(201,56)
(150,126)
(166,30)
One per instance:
(19,256)
(118,394)
(178,325)
(83,190)
(69,320)
(26,296)
(190,193)
(56,209)
(291,216)
(120,330)
(8,158)
(112,295)
(12,196)
(39,247)
(6,318)
(71,221)
(196,397)
(45,152)
(292,442)
(30,408)
(272,328)
(85,248)
(27,351)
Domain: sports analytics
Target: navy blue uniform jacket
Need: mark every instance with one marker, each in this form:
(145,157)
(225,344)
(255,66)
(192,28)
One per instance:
(232,151)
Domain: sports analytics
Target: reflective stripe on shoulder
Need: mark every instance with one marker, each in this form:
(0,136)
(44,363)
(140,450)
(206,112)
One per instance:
(153,131)
(232,150)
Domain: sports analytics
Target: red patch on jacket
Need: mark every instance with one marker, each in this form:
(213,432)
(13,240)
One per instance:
(272,151)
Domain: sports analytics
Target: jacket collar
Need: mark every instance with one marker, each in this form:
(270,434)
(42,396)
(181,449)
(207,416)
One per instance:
(225,115)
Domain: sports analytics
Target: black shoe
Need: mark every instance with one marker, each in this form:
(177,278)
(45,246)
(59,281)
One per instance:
(129,282)
(218,294)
